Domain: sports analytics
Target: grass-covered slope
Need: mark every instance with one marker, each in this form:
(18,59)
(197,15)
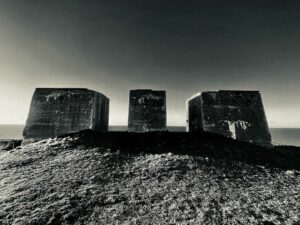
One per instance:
(62,181)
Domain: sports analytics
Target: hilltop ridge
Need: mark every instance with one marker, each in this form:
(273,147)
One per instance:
(75,180)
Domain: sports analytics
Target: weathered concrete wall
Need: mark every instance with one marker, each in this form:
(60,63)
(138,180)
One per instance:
(147,110)
(236,114)
(56,111)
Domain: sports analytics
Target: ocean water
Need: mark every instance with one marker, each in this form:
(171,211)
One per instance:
(285,136)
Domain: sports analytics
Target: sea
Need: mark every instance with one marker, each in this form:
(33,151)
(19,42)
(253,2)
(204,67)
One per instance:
(280,136)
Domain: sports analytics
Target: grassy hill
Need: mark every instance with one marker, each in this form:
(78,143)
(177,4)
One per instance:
(70,181)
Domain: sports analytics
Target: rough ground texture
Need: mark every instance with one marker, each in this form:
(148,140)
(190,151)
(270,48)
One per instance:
(62,181)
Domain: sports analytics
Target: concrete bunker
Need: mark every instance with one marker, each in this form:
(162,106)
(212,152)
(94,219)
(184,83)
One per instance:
(236,114)
(147,110)
(57,111)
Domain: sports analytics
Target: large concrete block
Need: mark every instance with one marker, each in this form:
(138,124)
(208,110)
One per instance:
(57,111)
(236,114)
(147,110)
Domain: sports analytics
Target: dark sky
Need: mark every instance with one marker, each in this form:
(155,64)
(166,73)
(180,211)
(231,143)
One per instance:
(179,46)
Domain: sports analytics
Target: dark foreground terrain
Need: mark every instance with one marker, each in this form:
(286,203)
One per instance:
(155,178)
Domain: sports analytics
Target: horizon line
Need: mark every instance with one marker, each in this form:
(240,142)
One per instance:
(122,125)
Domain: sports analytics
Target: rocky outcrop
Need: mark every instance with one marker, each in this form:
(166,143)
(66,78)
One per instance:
(236,114)
(147,110)
(57,111)
(9,144)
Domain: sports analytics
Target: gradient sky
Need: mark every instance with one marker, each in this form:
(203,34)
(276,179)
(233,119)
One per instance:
(180,46)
